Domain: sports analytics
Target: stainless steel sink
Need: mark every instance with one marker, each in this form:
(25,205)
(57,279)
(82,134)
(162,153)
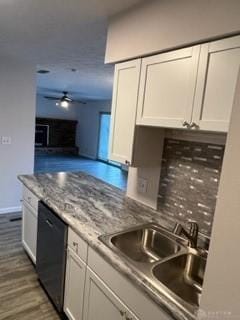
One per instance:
(145,245)
(183,275)
(164,259)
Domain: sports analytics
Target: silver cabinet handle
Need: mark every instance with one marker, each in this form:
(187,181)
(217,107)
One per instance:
(194,125)
(75,244)
(49,223)
(186,124)
(122,313)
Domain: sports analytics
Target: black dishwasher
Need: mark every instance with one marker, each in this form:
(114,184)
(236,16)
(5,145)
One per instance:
(51,254)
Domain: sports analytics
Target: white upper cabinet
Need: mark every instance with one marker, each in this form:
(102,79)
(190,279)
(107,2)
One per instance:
(167,88)
(218,71)
(192,87)
(124,107)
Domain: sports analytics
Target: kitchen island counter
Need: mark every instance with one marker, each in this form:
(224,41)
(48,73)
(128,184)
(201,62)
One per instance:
(93,208)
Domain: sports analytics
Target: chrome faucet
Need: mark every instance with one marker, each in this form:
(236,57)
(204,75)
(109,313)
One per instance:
(191,235)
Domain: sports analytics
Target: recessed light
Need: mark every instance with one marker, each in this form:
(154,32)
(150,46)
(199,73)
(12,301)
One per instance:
(43,71)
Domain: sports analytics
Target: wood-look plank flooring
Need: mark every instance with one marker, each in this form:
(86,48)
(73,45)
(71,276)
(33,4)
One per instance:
(21,296)
(106,172)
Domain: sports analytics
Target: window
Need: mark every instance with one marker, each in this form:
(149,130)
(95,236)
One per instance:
(104,132)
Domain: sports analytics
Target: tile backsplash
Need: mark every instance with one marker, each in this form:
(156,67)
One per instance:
(189,181)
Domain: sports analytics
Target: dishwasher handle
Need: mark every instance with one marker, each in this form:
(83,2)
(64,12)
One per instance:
(50,224)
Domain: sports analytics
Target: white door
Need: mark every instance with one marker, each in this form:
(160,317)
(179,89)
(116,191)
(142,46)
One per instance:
(101,303)
(124,107)
(29,231)
(167,88)
(74,286)
(218,72)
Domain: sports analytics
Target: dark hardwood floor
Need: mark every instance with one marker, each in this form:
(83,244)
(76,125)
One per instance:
(21,296)
(103,171)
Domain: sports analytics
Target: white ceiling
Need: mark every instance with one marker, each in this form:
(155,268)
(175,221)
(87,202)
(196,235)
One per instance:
(59,35)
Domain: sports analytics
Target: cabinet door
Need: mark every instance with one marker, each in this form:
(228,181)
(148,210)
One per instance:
(124,106)
(74,286)
(29,231)
(101,303)
(167,88)
(218,72)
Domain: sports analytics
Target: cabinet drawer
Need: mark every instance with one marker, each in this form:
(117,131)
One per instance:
(30,198)
(78,245)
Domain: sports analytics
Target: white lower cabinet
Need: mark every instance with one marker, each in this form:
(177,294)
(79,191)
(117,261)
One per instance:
(74,286)
(101,303)
(95,290)
(111,296)
(29,230)
(29,223)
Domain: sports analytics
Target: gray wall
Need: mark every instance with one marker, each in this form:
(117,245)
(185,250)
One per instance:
(17,115)
(166,24)
(88,127)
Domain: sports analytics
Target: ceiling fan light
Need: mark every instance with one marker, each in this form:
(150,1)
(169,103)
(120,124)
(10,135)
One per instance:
(64,104)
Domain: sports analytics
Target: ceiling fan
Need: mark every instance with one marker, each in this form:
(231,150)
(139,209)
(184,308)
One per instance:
(64,101)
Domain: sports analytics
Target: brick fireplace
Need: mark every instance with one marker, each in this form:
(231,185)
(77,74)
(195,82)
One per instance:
(55,136)
(41,135)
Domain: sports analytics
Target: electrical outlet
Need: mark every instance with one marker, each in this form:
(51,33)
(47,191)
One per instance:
(142,185)
(6,140)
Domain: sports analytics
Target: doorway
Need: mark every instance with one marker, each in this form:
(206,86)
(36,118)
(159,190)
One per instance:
(103,140)
(104,132)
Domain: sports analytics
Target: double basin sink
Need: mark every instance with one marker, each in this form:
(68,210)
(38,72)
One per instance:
(165,259)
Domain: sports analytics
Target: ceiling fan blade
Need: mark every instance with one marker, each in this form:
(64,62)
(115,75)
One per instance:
(65,97)
(52,98)
(80,101)
(68,99)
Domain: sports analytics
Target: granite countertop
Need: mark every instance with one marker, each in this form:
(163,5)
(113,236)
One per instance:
(92,208)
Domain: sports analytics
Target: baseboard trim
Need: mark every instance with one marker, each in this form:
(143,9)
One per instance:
(84,155)
(10,210)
